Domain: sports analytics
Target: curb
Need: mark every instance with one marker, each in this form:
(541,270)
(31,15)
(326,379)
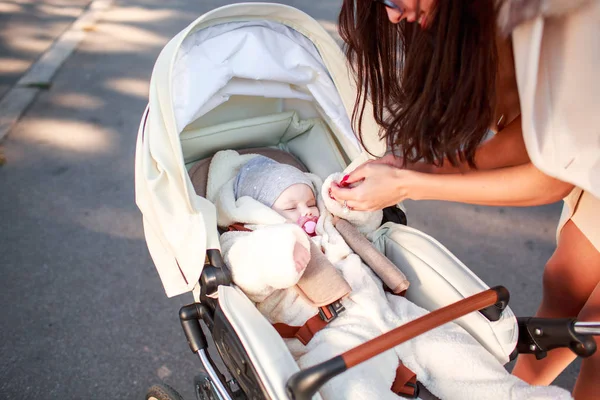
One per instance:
(39,76)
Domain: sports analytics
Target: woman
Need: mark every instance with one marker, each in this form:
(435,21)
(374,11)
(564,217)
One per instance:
(456,82)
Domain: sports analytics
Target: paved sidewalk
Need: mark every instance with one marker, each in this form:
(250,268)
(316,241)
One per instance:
(37,75)
(84,315)
(28,29)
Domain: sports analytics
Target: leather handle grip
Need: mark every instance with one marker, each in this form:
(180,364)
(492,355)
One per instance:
(423,324)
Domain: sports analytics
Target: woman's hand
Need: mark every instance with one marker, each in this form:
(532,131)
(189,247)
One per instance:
(374,186)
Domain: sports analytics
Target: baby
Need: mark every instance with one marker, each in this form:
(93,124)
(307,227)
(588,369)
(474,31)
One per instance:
(283,209)
(284,189)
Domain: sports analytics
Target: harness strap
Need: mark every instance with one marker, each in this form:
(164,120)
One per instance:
(303,333)
(238,227)
(313,325)
(405,383)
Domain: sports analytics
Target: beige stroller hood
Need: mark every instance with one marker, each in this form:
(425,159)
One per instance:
(286,55)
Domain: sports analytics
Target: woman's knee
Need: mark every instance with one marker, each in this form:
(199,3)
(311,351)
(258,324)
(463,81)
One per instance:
(561,291)
(571,274)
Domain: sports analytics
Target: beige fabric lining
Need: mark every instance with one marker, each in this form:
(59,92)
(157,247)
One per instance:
(583,209)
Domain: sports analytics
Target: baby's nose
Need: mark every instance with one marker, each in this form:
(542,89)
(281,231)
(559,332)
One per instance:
(304,210)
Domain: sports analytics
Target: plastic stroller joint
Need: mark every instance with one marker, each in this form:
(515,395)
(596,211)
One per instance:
(215,259)
(304,384)
(539,335)
(190,317)
(214,274)
(494,313)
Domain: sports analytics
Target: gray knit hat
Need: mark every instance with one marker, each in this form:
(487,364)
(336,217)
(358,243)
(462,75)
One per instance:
(264,180)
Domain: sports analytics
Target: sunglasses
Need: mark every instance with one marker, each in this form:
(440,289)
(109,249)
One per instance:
(390,4)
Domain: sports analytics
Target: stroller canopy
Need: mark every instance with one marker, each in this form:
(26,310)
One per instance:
(253,49)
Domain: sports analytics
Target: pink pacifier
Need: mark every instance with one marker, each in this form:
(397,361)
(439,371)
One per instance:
(308,224)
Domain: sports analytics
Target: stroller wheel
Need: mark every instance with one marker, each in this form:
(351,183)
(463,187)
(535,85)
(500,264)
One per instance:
(162,392)
(204,388)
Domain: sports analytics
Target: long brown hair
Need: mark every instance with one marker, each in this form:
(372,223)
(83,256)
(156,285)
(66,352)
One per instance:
(432,90)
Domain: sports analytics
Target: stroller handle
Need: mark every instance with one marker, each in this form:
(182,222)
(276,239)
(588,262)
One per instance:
(304,384)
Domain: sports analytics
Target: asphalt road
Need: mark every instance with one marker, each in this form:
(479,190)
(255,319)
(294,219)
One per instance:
(84,315)
(27,29)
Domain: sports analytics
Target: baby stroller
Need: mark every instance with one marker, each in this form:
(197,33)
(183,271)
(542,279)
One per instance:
(268,77)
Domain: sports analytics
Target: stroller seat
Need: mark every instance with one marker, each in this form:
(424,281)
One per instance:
(437,277)
(214,88)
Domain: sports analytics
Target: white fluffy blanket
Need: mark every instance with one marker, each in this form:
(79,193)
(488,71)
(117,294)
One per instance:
(447,360)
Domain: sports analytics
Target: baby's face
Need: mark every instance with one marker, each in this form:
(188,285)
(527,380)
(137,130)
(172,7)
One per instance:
(296,201)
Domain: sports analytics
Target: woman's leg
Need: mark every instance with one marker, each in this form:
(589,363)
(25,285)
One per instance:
(588,382)
(570,277)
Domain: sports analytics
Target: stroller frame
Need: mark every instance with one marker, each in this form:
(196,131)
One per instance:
(536,336)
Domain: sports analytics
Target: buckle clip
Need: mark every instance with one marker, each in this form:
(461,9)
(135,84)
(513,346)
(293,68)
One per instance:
(415,386)
(330,312)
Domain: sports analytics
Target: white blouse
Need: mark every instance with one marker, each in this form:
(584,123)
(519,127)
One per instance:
(557,62)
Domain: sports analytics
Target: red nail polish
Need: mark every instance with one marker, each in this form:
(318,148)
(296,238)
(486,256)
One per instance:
(343,182)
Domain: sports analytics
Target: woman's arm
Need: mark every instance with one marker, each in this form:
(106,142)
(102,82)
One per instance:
(522,185)
(375,186)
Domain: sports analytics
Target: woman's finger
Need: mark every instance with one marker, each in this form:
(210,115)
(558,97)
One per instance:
(340,194)
(352,190)
(377,186)
(356,206)
(357,174)
(351,197)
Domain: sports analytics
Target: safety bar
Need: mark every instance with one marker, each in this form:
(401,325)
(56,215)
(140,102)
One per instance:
(304,384)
